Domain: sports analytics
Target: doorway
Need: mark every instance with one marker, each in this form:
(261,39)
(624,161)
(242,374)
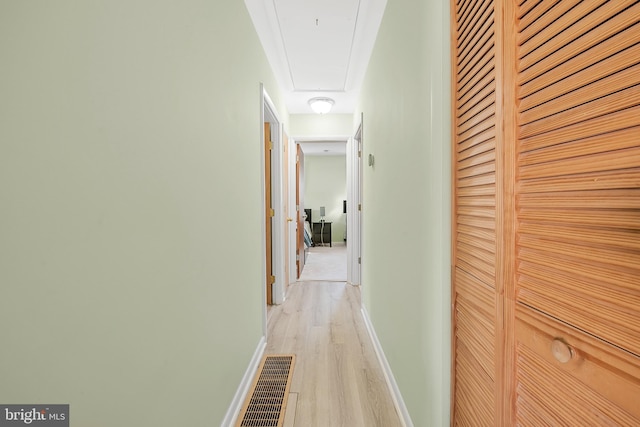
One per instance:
(323,200)
(273,207)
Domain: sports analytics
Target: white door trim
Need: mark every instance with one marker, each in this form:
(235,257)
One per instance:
(293,213)
(269,113)
(354,215)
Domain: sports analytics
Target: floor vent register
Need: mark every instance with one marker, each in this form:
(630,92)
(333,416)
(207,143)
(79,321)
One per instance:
(267,400)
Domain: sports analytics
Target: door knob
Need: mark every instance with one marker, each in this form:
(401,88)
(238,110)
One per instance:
(561,350)
(289,219)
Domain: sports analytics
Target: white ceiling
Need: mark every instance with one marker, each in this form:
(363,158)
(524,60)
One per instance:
(318,47)
(324,148)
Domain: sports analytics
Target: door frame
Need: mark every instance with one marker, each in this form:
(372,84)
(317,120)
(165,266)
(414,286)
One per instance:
(293,212)
(353,250)
(355,154)
(269,113)
(289,262)
(298,196)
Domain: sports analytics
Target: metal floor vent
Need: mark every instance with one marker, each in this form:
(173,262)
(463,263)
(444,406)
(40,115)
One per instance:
(267,401)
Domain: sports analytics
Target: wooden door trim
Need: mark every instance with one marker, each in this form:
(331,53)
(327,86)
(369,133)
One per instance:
(506,212)
(268,145)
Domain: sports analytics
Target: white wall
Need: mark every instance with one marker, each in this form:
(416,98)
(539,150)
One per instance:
(312,125)
(326,185)
(131,207)
(406,202)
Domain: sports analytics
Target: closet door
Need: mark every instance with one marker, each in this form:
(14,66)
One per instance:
(476,333)
(577,309)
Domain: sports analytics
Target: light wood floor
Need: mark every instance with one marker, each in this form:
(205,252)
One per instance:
(337,379)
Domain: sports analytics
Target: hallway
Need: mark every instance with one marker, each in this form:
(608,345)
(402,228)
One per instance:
(325,263)
(132,244)
(337,379)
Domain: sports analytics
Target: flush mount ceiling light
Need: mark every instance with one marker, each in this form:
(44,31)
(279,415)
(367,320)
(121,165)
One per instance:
(321,105)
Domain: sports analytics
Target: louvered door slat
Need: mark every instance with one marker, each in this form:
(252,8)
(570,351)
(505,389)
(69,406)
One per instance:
(592,288)
(529,84)
(480,67)
(578,132)
(589,238)
(527,6)
(475,181)
(581,252)
(485,139)
(474,297)
(483,80)
(545,14)
(481,86)
(615,160)
(474,362)
(470,20)
(478,256)
(604,142)
(477,228)
(569,20)
(470,129)
(622,219)
(586,23)
(621,80)
(594,46)
(593,73)
(477,40)
(461,10)
(550,263)
(591,109)
(481,41)
(613,180)
(465,9)
(483,107)
(476,310)
(480,113)
(483,77)
(477,170)
(477,190)
(613,199)
(528,17)
(482,157)
(474,153)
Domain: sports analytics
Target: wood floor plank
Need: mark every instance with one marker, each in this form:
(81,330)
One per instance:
(290,415)
(337,378)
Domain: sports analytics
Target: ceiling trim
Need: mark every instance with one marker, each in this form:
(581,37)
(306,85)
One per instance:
(265,16)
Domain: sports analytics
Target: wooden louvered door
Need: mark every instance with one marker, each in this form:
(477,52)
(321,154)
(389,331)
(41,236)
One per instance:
(546,238)
(476,314)
(578,213)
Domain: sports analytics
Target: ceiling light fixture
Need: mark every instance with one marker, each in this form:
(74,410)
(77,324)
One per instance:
(321,105)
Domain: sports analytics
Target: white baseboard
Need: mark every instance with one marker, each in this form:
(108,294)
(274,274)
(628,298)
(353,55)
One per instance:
(247,380)
(401,408)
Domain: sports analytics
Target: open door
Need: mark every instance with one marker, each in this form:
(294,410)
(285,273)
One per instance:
(300,208)
(269,212)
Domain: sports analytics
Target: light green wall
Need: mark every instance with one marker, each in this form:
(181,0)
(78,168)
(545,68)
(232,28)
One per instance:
(307,125)
(130,267)
(325,184)
(406,202)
